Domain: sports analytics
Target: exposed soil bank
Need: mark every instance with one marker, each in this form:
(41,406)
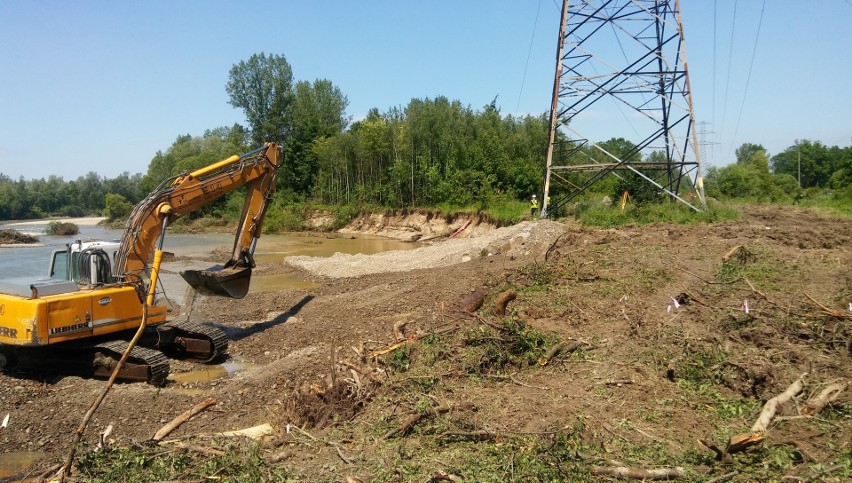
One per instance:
(422,226)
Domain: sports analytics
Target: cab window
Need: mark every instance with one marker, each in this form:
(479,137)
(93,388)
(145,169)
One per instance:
(59,267)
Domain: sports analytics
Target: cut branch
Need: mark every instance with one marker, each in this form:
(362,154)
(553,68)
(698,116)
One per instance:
(414,418)
(639,473)
(176,422)
(771,406)
(502,301)
(831,312)
(561,347)
(473,301)
(826,397)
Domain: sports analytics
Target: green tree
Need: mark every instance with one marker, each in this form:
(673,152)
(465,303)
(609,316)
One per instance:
(263,88)
(817,162)
(318,110)
(116,207)
(746,150)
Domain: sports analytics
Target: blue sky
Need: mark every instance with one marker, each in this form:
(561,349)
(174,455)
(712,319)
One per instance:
(103,85)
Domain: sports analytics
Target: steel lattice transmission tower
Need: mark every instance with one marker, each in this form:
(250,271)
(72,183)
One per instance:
(621,70)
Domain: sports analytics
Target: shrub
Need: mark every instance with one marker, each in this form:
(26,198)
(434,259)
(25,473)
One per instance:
(58,228)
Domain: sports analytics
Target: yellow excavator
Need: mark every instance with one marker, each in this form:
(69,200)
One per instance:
(76,319)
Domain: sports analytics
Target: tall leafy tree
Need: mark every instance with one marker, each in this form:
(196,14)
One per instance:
(262,87)
(317,110)
(817,162)
(746,150)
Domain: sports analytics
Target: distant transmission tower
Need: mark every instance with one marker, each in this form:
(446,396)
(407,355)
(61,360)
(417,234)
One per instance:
(621,73)
(702,140)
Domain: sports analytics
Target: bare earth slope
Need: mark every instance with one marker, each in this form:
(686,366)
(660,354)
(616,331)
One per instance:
(649,377)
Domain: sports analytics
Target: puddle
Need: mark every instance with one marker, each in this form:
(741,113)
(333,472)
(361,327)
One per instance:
(211,373)
(13,463)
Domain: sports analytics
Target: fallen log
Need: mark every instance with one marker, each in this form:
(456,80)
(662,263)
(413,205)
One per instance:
(502,301)
(414,418)
(199,449)
(473,301)
(740,442)
(771,406)
(558,348)
(639,473)
(254,432)
(184,417)
(393,347)
(827,396)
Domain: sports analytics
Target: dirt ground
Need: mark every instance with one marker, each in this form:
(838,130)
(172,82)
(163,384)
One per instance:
(666,354)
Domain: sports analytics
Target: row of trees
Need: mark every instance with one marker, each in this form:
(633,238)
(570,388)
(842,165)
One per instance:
(429,152)
(38,198)
(805,167)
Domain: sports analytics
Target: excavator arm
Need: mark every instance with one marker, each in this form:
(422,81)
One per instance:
(140,254)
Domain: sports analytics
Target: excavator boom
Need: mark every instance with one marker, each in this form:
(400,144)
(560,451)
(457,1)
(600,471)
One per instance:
(190,191)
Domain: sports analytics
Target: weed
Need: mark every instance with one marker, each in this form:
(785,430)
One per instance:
(758,264)
(653,278)
(611,216)
(150,463)
(488,352)
(399,360)
(539,274)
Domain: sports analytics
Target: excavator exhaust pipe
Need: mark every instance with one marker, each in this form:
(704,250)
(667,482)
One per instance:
(218,280)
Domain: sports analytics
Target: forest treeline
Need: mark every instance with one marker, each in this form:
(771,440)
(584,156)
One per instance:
(431,152)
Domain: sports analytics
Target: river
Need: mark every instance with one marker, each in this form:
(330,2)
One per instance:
(32,261)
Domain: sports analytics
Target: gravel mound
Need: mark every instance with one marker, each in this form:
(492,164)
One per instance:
(523,239)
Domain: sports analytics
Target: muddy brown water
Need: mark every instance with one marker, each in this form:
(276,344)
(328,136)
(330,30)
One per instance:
(11,464)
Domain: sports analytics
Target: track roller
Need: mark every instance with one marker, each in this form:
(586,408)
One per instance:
(188,340)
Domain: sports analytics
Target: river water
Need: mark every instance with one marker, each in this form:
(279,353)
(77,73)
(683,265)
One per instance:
(32,261)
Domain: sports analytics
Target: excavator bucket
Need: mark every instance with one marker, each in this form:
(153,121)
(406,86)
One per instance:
(217,280)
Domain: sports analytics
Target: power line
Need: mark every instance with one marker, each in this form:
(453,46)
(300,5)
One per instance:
(529,53)
(730,56)
(713,110)
(748,78)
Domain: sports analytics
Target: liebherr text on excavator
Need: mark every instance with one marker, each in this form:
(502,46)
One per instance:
(74,319)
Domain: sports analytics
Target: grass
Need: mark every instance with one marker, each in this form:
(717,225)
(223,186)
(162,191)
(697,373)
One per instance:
(599,215)
(757,263)
(142,463)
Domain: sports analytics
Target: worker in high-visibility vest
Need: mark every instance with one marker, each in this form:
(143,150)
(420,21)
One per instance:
(533,206)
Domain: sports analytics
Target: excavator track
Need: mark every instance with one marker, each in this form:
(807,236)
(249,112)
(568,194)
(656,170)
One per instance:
(156,361)
(99,360)
(197,340)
